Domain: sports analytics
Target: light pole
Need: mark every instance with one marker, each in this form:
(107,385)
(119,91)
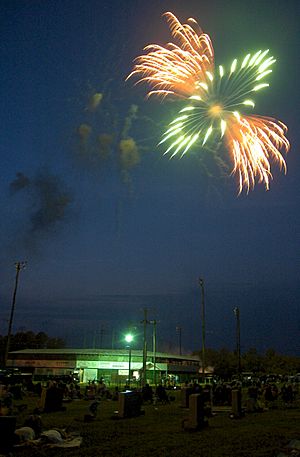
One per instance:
(144,322)
(201,283)
(238,338)
(19,266)
(129,339)
(154,322)
(178,330)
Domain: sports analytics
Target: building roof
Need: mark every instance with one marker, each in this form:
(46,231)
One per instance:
(108,352)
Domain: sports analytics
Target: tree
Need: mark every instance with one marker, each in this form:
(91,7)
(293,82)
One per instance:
(30,340)
(252,361)
(223,362)
(55,343)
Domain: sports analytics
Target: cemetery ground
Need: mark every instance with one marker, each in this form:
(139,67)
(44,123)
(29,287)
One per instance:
(159,432)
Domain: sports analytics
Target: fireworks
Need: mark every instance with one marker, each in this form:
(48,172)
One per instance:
(215,102)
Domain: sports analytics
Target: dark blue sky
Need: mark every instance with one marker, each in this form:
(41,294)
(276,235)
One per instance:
(103,242)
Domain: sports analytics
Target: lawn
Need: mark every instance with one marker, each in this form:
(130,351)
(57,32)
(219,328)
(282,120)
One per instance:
(159,432)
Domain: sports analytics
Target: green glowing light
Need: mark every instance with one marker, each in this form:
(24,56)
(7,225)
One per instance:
(262,75)
(188,108)
(174,132)
(129,338)
(237,115)
(233,66)
(266,64)
(191,142)
(262,55)
(245,61)
(260,86)
(204,86)
(181,145)
(195,97)
(254,58)
(209,75)
(223,127)
(210,129)
(249,103)
(175,144)
(180,118)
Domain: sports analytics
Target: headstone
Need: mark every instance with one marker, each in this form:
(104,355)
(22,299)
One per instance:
(185,394)
(250,405)
(7,430)
(197,418)
(2,390)
(54,399)
(43,398)
(236,406)
(129,404)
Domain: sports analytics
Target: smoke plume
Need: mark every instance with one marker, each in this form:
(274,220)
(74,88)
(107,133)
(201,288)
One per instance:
(49,199)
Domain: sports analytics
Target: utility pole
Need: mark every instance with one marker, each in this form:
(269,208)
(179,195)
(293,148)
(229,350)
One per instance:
(101,335)
(238,339)
(201,283)
(19,266)
(113,338)
(178,330)
(144,322)
(154,322)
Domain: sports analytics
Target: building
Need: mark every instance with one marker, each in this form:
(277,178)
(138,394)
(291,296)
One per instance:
(111,365)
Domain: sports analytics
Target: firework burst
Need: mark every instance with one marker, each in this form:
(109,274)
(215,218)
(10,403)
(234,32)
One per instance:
(215,101)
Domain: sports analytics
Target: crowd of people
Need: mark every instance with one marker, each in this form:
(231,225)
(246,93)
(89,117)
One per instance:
(149,395)
(257,395)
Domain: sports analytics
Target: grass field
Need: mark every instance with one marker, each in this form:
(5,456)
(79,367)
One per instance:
(159,432)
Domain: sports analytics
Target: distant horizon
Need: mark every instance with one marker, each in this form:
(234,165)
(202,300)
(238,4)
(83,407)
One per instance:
(86,322)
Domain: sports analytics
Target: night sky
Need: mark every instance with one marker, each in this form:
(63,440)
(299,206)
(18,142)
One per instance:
(105,238)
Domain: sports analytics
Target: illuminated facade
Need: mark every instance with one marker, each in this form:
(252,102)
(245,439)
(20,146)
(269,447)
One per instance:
(111,365)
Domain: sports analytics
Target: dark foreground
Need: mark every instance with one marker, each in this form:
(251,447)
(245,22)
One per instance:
(159,432)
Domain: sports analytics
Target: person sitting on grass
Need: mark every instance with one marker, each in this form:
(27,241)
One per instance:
(162,394)
(147,394)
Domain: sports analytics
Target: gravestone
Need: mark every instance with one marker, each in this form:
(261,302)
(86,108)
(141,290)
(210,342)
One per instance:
(53,400)
(236,405)
(2,390)
(42,400)
(130,403)
(7,430)
(197,418)
(185,395)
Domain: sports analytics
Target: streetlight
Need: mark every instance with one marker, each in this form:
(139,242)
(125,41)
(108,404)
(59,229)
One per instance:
(129,339)
(178,331)
(201,283)
(154,322)
(236,311)
(144,322)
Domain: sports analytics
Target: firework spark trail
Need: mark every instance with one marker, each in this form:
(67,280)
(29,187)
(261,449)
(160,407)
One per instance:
(254,140)
(175,70)
(186,71)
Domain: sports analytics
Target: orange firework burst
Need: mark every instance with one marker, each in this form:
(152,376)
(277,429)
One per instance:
(185,69)
(176,69)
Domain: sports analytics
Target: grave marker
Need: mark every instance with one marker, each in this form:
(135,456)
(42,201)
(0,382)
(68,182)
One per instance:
(7,430)
(185,394)
(198,416)
(130,403)
(236,406)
